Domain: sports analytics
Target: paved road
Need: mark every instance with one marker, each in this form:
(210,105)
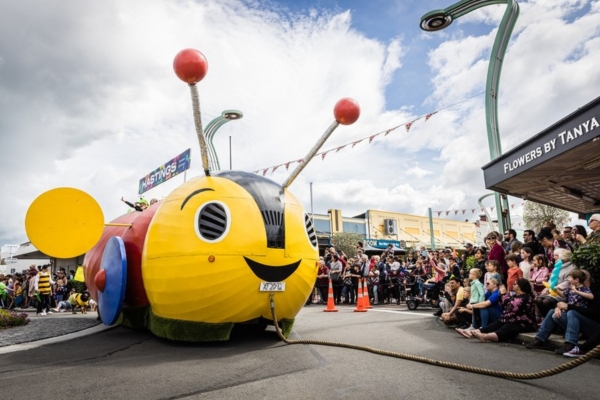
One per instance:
(120,363)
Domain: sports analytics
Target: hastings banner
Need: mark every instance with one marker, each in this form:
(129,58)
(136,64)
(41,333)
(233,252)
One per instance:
(165,172)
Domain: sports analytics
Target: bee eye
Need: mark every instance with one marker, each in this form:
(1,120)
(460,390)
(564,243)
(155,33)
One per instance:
(212,221)
(310,231)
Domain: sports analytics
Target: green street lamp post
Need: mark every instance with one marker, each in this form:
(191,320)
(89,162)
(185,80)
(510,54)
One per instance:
(440,19)
(212,128)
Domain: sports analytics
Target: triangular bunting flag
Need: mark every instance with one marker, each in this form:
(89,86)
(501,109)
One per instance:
(265,171)
(512,206)
(472,211)
(439,213)
(429,115)
(408,125)
(492,208)
(371,138)
(339,148)
(275,167)
(447,212)
(287,165)
(355,143)
(387,132)
(455,212)
(323,155)
(464,211)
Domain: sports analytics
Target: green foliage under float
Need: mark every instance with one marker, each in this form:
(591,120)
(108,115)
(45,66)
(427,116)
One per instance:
(187,331)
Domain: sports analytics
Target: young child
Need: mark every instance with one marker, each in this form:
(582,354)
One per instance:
(525,265)
(514,272)
(477,296)
(492,267)
(577,294)
(539,273)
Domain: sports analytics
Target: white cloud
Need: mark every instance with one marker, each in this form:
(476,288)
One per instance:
(88,98)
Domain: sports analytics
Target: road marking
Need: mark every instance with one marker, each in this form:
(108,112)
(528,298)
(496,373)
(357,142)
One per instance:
(402,312)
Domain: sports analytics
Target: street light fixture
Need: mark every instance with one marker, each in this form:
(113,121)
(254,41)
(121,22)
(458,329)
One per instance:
(440,19)
(212,128)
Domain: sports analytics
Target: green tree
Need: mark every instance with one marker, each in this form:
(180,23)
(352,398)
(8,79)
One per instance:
(535,215)
(346,241)
(587,256)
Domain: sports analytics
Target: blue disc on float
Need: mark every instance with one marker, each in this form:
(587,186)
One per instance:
(114,264)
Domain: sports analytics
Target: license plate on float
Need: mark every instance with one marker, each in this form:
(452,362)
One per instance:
(272,287)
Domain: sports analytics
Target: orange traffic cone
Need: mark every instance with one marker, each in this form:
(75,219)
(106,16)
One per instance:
(359,302)
(366,301)
(330,303)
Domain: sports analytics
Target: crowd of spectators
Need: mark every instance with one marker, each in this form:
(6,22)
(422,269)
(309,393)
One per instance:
(38,289)
(510,287)
(543,291)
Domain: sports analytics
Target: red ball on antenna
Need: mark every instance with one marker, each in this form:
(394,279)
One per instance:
(190,66)
(346,111)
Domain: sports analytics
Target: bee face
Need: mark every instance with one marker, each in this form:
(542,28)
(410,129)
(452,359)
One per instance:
(253,231)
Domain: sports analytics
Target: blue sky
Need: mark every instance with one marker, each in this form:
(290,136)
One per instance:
(386,20)
(88,98)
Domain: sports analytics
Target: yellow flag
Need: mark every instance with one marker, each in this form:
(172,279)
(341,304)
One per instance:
(79,275)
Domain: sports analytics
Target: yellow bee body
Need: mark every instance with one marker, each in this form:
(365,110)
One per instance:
(215,239)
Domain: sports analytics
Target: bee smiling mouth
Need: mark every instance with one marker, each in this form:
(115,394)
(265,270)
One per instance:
(271,273)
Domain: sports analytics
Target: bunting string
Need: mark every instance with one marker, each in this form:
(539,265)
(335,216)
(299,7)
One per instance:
(370,138)
(463,211)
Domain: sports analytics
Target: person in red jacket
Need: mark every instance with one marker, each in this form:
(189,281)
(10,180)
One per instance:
(497,252)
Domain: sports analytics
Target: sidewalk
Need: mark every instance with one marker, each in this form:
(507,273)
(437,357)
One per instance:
(49,326)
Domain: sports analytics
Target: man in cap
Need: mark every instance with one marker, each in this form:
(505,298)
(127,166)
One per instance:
(469,251)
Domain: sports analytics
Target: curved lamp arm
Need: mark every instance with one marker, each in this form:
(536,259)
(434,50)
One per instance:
(212,128)
(440,19)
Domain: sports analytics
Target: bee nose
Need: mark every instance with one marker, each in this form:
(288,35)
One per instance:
(274,227)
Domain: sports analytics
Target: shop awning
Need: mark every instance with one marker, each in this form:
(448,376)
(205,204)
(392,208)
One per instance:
(559,166)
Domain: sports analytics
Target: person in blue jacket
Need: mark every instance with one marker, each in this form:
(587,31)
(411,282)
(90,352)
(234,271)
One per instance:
(490,309)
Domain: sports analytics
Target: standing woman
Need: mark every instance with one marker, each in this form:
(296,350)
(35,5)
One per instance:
(323,281)
(480,258)
(497,252)
(335,272)
(373,283)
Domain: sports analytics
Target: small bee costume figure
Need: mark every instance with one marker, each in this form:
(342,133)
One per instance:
(79,300)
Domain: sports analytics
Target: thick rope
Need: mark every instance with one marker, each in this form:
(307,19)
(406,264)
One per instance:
(199,131)
(461,367)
